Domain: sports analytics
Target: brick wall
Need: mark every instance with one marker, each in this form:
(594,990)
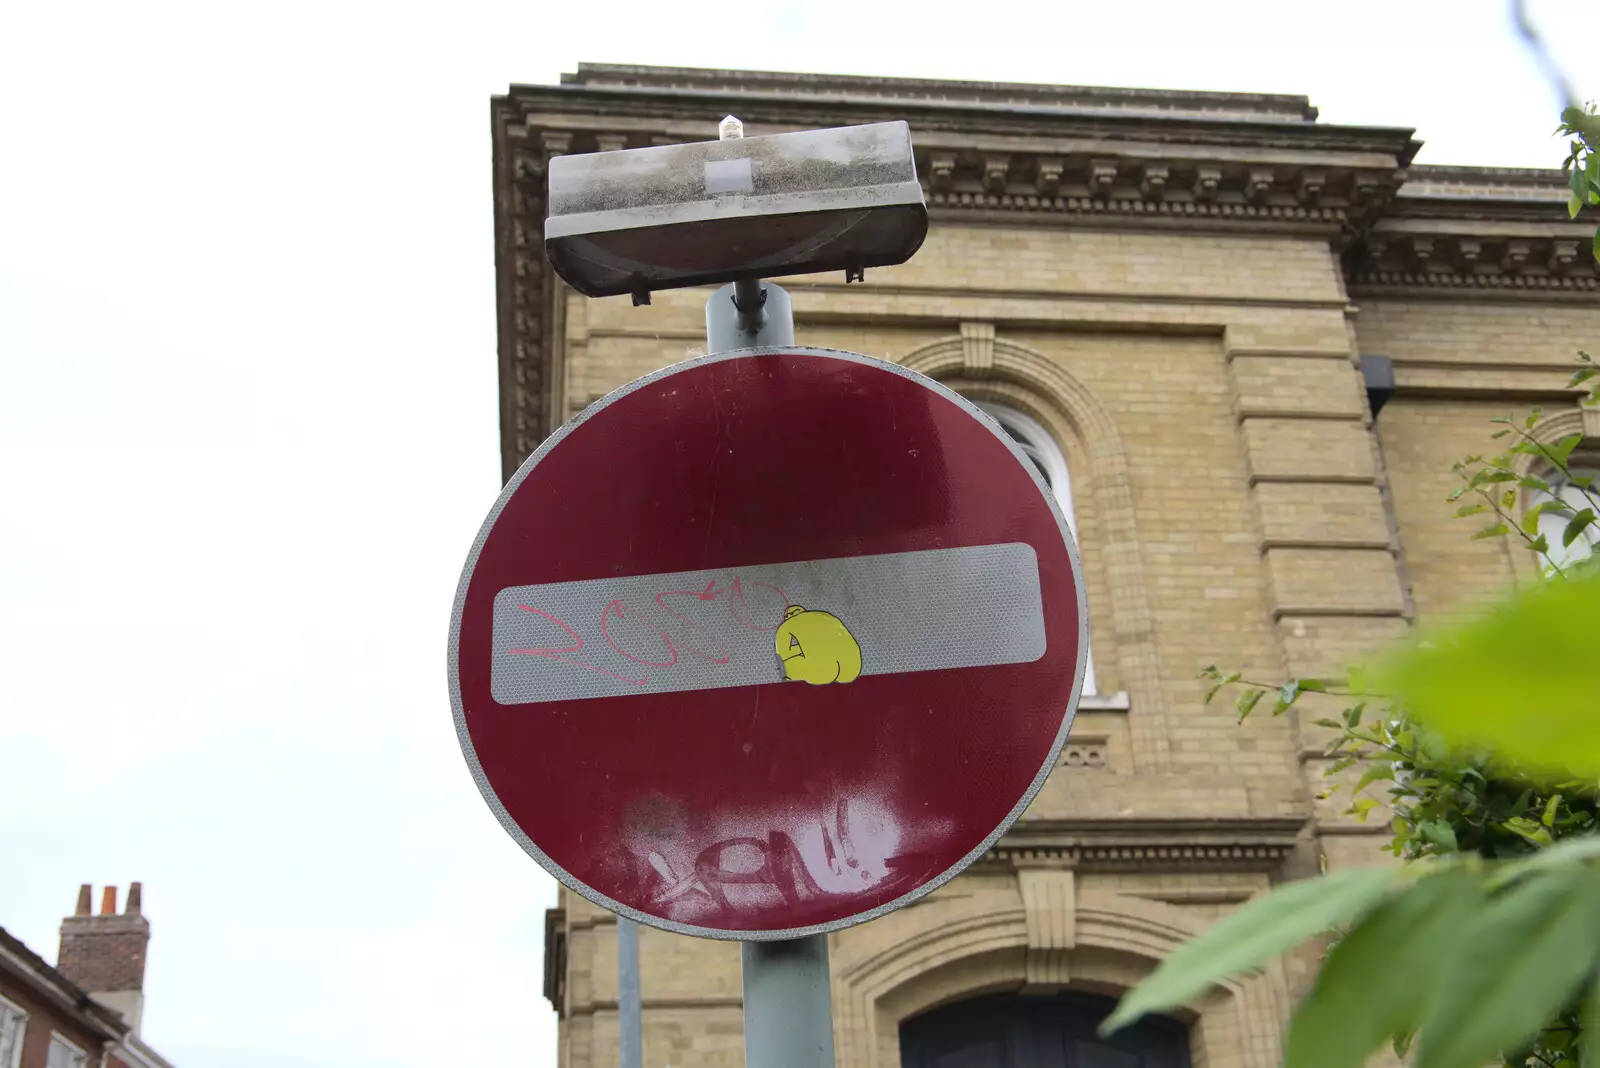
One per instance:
(1230,487)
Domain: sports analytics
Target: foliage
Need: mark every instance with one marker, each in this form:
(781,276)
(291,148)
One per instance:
(1485,735)
(1494,482)
(1582,164)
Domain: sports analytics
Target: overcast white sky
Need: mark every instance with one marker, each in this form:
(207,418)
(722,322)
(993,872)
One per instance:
(248,431)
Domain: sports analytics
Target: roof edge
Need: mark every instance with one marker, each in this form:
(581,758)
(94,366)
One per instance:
(1277,105)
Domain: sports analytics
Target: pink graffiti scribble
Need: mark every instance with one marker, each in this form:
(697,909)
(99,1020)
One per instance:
(693,636)
(717,654)
(577,639)
(622,613)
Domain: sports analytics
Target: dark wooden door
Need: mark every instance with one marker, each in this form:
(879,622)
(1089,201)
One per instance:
(1037,1032)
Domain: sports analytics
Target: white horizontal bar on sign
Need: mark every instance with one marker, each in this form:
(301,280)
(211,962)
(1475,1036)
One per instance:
(815,621)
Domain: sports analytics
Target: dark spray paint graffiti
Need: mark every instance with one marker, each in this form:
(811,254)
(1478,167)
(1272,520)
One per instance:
(853,852)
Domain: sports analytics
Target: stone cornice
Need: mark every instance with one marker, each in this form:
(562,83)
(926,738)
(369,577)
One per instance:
(1142,101)
(1477,232)
(1132,845)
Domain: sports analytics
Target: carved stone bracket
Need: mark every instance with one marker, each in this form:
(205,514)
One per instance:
(1258,186)
(1048,174)
(1153,183)
(1050,910)
(996,172)
(1102,177)
(977,350)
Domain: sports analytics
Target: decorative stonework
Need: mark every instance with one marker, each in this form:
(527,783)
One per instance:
(1143,856)
(1051,933)
(1241,845)
(1467,231)
(1050,905)
(1087,752)
(1130,189)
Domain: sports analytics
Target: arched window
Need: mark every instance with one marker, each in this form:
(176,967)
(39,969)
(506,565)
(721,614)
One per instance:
(1553,525)
(1039,446)
(1018,1031)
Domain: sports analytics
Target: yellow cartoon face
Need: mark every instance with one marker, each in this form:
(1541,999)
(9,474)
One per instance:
(816,647)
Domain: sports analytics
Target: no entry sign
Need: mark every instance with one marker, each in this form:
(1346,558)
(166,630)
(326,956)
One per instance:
(767,643)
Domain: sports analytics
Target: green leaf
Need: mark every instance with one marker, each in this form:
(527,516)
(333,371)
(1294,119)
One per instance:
(1248,700)
(1569,852)
(1590,1016)
(1540,545)
(1576,526)
(1491,532)
(1519,961)
(1533,482)
(1442,835)
(1380,769)
(1563,448)
(1583,374)
(1518,679)
(1574,205)
(1528,830)
(1549,818)
(1361,806)
(1253,934)
(1595,247)
(1376,980)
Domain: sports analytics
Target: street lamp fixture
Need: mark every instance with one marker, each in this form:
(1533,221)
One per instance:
(735,209)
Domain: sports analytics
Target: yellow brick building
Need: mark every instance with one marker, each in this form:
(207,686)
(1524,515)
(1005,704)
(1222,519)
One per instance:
(1169,298)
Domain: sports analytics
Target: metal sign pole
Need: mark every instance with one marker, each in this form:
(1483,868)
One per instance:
(630,1039)
(788,1012)
(788,1015)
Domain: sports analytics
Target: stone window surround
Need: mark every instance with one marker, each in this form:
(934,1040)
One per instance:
(1041,447)
(994,371)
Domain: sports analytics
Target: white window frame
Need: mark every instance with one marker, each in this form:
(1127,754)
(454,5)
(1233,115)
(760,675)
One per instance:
(11,1014)
(1040,446)
(77,1056)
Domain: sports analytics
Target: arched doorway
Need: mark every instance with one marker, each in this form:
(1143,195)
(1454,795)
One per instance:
(1017,1031)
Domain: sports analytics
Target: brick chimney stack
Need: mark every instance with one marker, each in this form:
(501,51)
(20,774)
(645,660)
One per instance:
(104,954)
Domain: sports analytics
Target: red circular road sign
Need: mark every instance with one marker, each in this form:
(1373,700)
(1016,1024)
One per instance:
(767,643)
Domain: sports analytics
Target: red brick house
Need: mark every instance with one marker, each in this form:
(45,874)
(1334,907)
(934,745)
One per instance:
(85,1011)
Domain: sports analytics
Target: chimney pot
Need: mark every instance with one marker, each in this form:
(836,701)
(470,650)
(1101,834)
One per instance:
(85,900)
(105,954)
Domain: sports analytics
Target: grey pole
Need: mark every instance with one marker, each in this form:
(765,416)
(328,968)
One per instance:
(745,314)
(788,1010)
(788,1015)
(630,1039)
